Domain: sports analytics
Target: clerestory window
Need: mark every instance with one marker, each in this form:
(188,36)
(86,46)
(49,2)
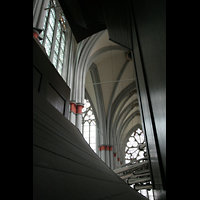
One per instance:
(53,35)
(48,28)
(59,48)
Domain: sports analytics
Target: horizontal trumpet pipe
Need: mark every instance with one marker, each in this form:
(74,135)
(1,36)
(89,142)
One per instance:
(133,176)
(140,187)
(141,171)
(138,180)
(130,167)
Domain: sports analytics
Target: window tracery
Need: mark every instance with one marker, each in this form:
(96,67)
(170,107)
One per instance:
(89,125)
(59,48)
(135,147)
(49,26)
(54,29)
(135,150)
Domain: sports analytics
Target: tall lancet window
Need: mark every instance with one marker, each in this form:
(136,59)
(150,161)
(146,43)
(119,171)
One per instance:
(54,34)
(59,49)
(89,125)
(49,26)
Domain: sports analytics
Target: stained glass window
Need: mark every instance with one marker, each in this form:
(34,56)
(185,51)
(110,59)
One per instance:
(89,124)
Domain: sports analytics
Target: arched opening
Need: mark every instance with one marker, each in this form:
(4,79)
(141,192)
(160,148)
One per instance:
(135,148)
(89,125)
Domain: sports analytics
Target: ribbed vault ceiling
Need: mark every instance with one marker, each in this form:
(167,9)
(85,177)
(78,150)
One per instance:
(117,81)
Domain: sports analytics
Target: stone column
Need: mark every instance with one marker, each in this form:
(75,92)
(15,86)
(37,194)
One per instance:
(107,148)
(111,157)
(79,108)
(73,113)
(118,162)
(102,150)
(115,160)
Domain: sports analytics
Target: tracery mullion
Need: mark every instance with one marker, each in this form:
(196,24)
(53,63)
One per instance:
(136,140)
(89,131)
(59,43)
(46,26)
